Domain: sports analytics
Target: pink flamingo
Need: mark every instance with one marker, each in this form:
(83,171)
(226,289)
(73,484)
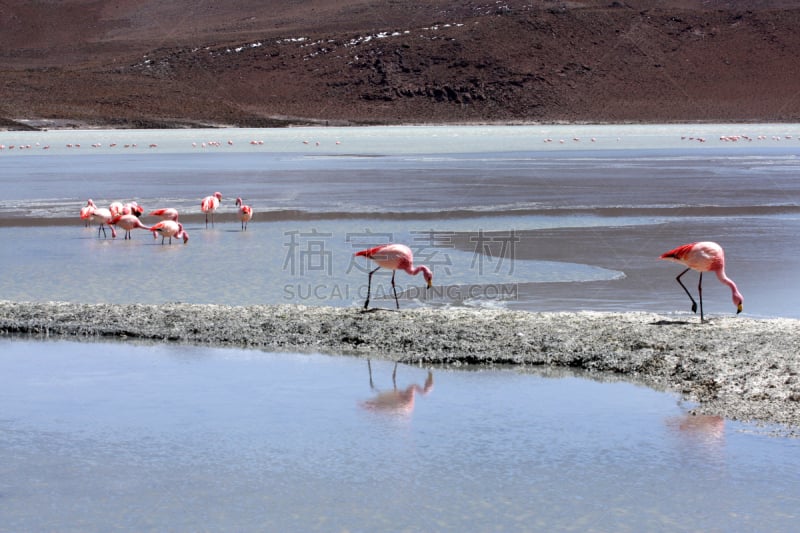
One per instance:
(128,222)
(115,208)
(245,213)
(102,216)
(394,257)
(167,213)
(131,208)
(396,401)
(86,213)
(209,204)
(170,228)
(703,257)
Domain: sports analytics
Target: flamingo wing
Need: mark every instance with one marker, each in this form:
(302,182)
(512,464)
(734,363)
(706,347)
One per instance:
(391,256)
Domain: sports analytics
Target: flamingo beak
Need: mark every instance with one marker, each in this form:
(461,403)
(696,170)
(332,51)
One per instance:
(739,308)
(430,283)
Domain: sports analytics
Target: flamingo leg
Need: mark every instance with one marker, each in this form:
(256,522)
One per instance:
(394,289)
(700,294)
(206,220)
(369,286)
(678,279)
(394,376)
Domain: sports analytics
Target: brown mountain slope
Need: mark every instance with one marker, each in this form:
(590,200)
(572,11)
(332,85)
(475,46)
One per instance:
(249,62)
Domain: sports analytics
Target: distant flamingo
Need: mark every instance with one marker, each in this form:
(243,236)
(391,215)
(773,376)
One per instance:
(394,257)
(131,208)
(167,213)
(209,204)
(169,228)
(102,216)
(245,213)
(128,222)
(86,213)
(115,208)
(396,401)
(703,257)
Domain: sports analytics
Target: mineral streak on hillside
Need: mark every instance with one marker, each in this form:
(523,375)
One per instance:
(259,63)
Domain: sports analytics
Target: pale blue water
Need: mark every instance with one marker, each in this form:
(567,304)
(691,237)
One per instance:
(477,204)
(106,436)
(100,437)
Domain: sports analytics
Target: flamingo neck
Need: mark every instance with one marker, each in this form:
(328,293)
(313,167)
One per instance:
(421,268)
(723,278)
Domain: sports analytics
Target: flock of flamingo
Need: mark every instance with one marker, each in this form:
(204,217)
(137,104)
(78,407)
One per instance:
(705,256)
(128,217)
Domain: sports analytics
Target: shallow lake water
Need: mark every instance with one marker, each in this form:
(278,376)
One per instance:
(505,216)
(119,436)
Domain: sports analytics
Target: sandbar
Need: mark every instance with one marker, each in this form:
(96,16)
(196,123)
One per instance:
(740,368)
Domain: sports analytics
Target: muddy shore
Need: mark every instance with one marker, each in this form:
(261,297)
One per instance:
(736,367)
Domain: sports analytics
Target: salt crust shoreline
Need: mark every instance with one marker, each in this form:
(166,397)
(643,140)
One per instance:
(736,367)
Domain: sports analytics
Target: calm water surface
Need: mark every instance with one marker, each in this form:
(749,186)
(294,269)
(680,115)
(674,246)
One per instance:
(98,437)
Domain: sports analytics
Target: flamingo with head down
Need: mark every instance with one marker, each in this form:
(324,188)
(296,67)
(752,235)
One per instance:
(169,229)
(703,256)
(102,216)
(394,257)
(128,223)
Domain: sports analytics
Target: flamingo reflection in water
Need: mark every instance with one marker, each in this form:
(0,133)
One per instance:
(705,427)
(707,432)
(397,401)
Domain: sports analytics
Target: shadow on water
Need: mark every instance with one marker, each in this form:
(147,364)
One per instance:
(670,323)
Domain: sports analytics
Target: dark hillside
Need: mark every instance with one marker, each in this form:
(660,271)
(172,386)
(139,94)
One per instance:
(249,62)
